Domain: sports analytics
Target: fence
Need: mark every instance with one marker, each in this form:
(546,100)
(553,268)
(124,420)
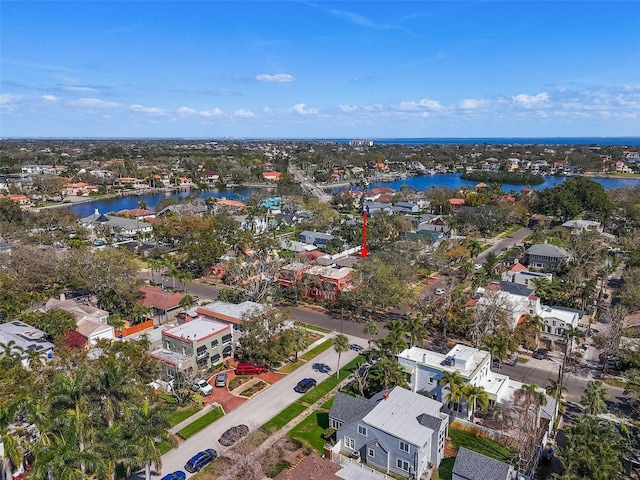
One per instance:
(125,332)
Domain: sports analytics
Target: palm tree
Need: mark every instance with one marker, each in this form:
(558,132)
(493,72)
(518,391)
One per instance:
(11,350)
(394,342)
(454,383)
(340,344)
(186,302)
(415,330)
(475,397)
(386,373)
(530,399)
(474,247)
(12,451)
(594,398)
(111,389)
(149,425)
(116,449)
(142,205)
(299,339)
(371,330)
(555,389)
(499,347)
(569,334)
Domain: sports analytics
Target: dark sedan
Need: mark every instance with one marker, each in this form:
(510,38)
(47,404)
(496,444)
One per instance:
(305,385)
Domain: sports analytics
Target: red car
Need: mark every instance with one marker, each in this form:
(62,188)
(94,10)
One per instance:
(249,369)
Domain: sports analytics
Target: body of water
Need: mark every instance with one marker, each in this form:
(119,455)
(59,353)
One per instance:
(424,182)
(453,180)
(601,141)
(115,204)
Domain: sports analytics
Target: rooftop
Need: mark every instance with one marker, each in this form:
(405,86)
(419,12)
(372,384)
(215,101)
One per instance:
(196,329)
(460,358)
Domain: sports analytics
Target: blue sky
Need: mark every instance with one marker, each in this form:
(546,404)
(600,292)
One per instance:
(372,69)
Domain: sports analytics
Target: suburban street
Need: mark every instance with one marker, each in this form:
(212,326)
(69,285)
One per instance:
(254,412)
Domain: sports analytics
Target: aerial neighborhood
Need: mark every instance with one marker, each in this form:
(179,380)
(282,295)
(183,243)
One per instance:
(318,309)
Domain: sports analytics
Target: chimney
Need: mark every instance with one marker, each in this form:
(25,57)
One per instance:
(62,297)
(96,212)
(385,395)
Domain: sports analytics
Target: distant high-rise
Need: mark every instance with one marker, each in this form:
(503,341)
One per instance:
(360,142)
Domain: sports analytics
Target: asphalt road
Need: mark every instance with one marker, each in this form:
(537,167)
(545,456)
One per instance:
(254,412)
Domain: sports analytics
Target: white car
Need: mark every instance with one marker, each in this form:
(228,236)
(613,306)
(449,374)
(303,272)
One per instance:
(477,266)
(202,386)
(439,291)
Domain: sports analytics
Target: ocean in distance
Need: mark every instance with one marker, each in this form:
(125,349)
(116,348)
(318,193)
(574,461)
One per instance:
(423,182)
(600,141)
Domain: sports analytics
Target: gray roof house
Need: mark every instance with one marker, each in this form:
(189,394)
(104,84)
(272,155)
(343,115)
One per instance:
(543,255)
(26,338)
(470,465)
(126,227)
(315,238)
(395,431)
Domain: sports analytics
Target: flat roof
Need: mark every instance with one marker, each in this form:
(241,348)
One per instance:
(334,273)
(197,329)
(471,356)
(231,312)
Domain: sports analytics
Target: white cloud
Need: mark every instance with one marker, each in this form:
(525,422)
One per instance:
(81,89)
(300,110)
(531,101)
(244,113)
(8,98)
(187,111)
(149,110)
(216,112)
(473,103)
(278,77)
(50,98)
(424,104)
(92,102)
(348,108)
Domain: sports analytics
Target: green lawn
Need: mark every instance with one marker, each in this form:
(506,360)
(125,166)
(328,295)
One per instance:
(330,383)
(284,417)
(310,430)
(200,423)
(468,439)
(291,366)
(328,403)
(315,327)
(182,414)
(445,472)
(317,350)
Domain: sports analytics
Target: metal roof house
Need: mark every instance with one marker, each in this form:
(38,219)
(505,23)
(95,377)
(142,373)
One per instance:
(395,431)
(470,465)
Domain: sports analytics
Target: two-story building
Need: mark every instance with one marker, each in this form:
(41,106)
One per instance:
(231,314)
(514,299)
(319,239)
(546,256)
(25,338)
(327,282)
(556,320)
(396,431)
(521,275)
(193,346)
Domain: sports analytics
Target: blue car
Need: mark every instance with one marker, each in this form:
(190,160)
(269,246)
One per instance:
(179,475)
(200,459)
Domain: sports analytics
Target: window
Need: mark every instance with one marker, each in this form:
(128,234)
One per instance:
(214,343)
(215,358)
(404,446)
(371,453)
(362,430)
(402,464)
(333,423)
(350,443)
(226,338)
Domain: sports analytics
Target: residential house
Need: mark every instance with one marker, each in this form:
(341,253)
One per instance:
(79,189)
(297,247)
(377,208)
(327,282)
(160,300)
(210,177)
(406,207)
(91,321)
(456,203)
(427,368)
(579,226)
(289,275)
(470,465)
(521,275)
(271,176)
(26,338)
(546,256)
(125,227)
(192,346)
(139,213)
(515,299)
(396,431)
(318,239)
(556,320)
(232,314)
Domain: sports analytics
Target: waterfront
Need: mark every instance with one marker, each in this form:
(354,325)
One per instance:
(423,182)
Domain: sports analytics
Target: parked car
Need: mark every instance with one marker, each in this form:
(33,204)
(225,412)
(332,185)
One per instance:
(439,291)
(200,459)
(477,266)
(584,347)
(221,379)
(178,475)
(202,387)
(540,354)
(305,385)
(249,369)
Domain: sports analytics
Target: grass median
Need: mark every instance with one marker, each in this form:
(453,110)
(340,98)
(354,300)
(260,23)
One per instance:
(317,350)
(200,423)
